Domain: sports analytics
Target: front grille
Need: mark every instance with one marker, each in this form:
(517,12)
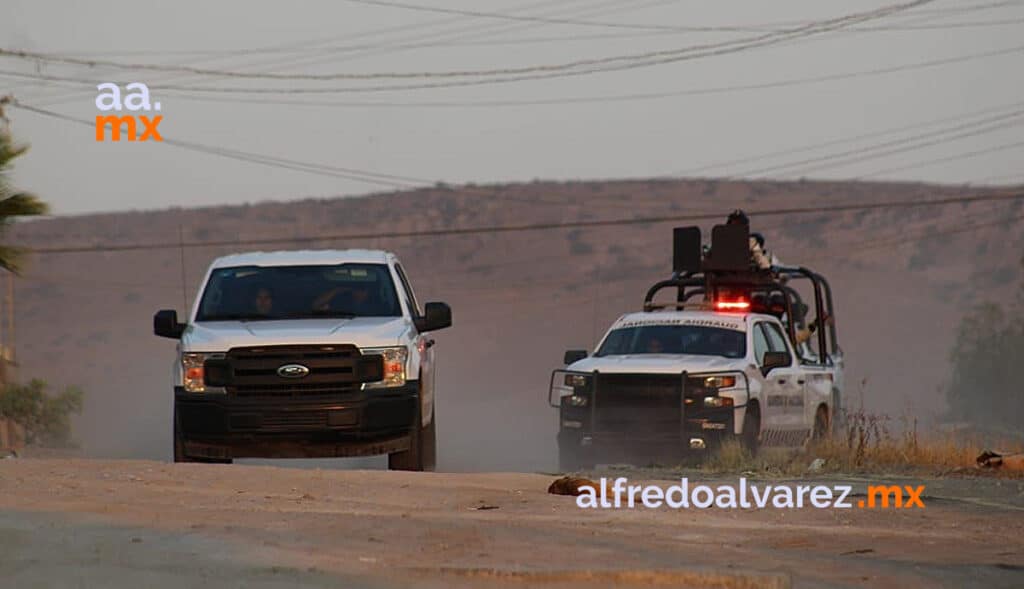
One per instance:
(252,372)
(642,403)
(295,420)
(639,390)
(280,420)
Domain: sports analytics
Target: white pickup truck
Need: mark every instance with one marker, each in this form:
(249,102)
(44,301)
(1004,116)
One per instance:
(723,360)
(305,354)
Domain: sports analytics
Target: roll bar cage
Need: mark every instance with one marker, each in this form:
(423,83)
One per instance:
(727,271)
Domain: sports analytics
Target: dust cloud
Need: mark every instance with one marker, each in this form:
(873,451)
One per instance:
(519,299)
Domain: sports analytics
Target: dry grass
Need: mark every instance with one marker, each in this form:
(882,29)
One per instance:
(867,444)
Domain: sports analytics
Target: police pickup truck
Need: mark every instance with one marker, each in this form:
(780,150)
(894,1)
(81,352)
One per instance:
(733,356)
(305,354)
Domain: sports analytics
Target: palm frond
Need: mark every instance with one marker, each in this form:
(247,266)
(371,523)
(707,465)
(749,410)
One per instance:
(11,259)
(14,203)
(22,204)
(9,150)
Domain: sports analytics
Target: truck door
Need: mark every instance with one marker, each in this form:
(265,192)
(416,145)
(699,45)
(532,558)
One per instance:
(425,345)
(795,387)
(784,386)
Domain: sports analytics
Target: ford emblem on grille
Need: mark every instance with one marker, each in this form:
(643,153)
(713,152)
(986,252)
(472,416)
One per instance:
(292,371)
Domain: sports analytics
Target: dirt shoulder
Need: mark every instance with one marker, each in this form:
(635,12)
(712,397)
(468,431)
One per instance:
(140,523)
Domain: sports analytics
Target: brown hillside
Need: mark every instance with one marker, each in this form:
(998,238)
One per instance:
(902,282)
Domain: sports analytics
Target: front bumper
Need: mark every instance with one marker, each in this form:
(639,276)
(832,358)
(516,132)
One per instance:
(709,425)
(638,416)
(359,423)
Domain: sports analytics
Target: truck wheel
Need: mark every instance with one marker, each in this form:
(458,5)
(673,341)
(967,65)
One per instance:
(750,438)
(571,456)
(429,441)
(422,452)
(820,431)
(179,449)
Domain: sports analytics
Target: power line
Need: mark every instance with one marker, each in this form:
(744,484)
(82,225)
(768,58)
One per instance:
(364,176)
(900,145)
(942,160)
(391,180)
(983,197)
(306,44)
(843,140)
(586,23)
(537,102)
(210,54)
(611,63)
(559,21)
(873,244)
(568,100)
(466,32)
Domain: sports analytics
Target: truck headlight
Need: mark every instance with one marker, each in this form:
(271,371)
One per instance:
(576,400)
(578,382)
(193,373)
(717,402)
(395,359)
(719,382)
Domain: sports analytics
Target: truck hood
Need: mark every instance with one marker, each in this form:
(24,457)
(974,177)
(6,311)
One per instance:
(365,332)
(658,364)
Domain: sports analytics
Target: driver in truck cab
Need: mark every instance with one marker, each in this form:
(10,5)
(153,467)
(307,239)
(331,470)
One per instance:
(264,301)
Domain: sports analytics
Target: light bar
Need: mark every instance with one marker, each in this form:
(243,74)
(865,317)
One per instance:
(732,305)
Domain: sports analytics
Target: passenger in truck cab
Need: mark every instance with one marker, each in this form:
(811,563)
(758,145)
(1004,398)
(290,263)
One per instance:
(655,345)
(354,297)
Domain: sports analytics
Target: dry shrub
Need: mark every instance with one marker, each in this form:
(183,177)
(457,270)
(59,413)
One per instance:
(868,444)
(732,457)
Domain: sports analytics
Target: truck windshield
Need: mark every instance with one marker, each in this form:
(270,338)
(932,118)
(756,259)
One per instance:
(675,339)
(296,292)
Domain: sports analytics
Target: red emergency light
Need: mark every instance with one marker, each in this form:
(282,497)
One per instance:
(738,305)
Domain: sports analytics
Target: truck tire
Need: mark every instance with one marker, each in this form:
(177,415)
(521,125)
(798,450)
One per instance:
(751,436)
(430,443)
(572,457)
(422,452)
(179,448)
(821,425)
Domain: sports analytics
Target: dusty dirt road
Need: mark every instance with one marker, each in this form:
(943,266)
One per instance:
(84,523)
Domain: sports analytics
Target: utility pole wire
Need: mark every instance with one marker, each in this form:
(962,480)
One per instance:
(942,160)
(844,140)
(1000,196)
(181,90)
(891,147)
(611,63)
(390,180)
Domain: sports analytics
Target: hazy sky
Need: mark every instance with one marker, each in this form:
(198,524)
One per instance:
(472,133)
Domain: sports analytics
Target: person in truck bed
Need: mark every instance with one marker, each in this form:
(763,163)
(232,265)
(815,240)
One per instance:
(760,257)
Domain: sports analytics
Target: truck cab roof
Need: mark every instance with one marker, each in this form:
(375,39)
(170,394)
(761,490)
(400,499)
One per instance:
(304,258)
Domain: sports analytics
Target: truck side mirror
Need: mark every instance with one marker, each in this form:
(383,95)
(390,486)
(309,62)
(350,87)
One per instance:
(435,316)
(574,356)
(774,360)
(165,324)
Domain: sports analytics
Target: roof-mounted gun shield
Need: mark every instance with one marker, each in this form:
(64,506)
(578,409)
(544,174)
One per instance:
(730,248)
(686,250)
